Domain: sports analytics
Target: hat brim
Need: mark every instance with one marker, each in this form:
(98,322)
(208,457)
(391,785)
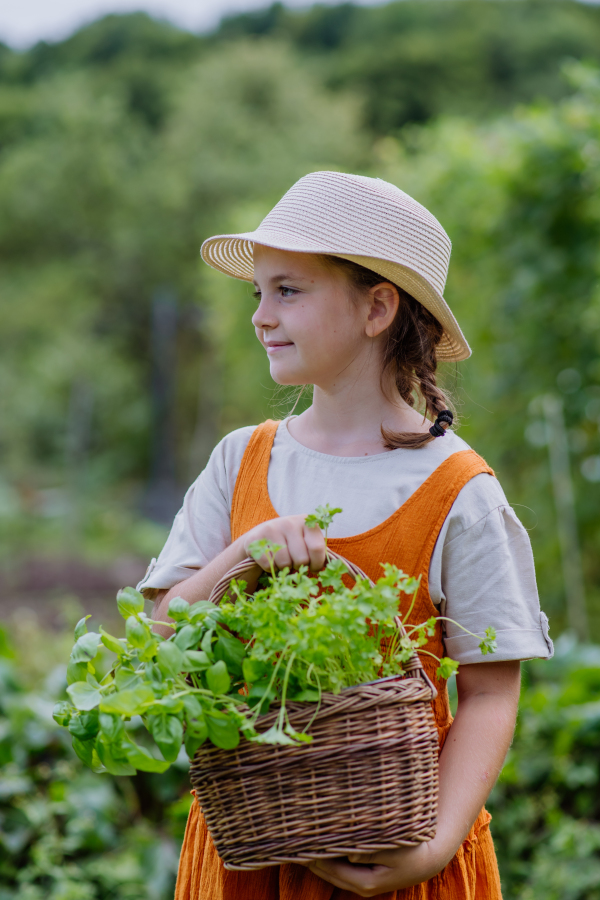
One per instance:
(232,254)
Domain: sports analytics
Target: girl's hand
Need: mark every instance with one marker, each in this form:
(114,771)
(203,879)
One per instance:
(377,873)
(300,546)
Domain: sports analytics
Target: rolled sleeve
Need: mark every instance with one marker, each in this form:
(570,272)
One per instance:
(488,580)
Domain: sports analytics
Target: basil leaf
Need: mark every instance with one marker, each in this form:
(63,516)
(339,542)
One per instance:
(142,760)
(62,712)
(86,647)
(127,679)
(189,636)
(128,703)
(167,731)
(193,741)
(130,602)
(179,609)
(169,658)
(195,661)
(83,695)
(137,633)
(112,643)
(76,672)
(199,609)
(111,727)
(231,650)
(81,627)
(84,750)
(84,726)
(222,731)
(217,678)
(115,765)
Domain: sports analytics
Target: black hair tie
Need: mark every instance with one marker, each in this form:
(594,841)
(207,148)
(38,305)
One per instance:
(436,429)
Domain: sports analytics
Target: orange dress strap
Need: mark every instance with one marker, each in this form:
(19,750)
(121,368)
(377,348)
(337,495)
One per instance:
(406,539)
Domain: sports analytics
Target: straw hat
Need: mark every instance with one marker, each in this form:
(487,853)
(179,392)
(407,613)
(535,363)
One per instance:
(366,220)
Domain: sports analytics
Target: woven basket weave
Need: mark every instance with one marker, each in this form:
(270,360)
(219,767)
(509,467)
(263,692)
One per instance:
(367,782)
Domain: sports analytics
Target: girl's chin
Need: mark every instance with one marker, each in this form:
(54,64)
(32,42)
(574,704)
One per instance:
(283,376)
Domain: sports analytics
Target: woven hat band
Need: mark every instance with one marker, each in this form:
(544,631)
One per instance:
(365,220)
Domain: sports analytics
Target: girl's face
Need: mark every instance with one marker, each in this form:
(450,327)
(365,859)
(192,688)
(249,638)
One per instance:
(306,319)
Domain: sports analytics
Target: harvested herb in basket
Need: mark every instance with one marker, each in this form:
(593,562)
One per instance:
(296,637)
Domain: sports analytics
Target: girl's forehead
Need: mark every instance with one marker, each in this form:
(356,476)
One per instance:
(271,262)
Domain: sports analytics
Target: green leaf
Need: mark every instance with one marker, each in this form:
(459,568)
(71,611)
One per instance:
(126,678)
(306,696)
(62,712)
(81,627)
(275,735)
(195,661)
(83,695)
(115,765)
(85,725)
(489,644)
(85,751)
(447,667)
(199,609)
(192,741)
(86,647)
(231,650)
(323,517)
(128,703)
(111,727)
(130,602)
(217,678)
(142,760)
(76,672)
(169,658)
(222,731)
(179,609)
(167,731)
(137,633)
(206,644)
(112,643)
(255,669)
(188,637)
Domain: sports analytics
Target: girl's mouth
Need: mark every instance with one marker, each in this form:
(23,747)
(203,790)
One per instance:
(276,346)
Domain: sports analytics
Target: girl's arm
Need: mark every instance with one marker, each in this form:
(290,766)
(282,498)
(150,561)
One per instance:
(473,755)
(300,546)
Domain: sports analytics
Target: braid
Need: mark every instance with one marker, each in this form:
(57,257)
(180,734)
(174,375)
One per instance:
(409,356)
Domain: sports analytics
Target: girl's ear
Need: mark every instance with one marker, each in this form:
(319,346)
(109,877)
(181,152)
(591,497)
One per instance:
(382,301)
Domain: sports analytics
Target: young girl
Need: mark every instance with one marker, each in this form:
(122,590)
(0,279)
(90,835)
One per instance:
(349,274)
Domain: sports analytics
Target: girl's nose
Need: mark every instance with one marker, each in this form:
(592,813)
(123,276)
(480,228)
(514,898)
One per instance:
(264,316)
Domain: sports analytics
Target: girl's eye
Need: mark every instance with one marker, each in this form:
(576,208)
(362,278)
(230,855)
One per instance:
(256,295)
(287,291)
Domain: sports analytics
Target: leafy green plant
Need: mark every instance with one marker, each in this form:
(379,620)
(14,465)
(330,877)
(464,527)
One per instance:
(294,638)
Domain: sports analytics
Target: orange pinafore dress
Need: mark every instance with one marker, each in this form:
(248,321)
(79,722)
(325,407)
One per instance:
(406,540)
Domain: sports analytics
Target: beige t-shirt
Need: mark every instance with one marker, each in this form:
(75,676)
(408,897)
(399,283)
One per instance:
(481,570)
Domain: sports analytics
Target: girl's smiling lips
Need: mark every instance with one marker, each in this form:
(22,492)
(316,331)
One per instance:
(274,346)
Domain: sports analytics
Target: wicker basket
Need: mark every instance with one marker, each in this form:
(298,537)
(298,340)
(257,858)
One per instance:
(367,782)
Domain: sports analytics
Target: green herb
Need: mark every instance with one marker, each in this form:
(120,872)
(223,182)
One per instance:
(296,637)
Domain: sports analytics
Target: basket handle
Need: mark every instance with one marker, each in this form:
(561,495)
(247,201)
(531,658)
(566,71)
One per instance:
(413,667)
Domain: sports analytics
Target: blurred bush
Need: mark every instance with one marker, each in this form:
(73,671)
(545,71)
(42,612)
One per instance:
(546,805)
(66,833)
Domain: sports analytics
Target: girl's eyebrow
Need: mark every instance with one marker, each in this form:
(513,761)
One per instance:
(285,276)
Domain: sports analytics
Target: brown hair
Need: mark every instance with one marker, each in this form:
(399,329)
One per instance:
(409,355)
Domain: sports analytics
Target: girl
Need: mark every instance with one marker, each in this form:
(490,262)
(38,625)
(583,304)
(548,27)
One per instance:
(349,274)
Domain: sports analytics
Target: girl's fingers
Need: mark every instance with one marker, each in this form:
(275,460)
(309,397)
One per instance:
(297,548)
(315,544)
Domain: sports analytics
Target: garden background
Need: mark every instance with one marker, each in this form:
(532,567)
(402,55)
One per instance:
(123,359)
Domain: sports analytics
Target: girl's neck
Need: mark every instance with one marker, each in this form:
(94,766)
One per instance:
(347,422)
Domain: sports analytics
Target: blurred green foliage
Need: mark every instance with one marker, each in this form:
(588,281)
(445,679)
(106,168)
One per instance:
(66,833)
